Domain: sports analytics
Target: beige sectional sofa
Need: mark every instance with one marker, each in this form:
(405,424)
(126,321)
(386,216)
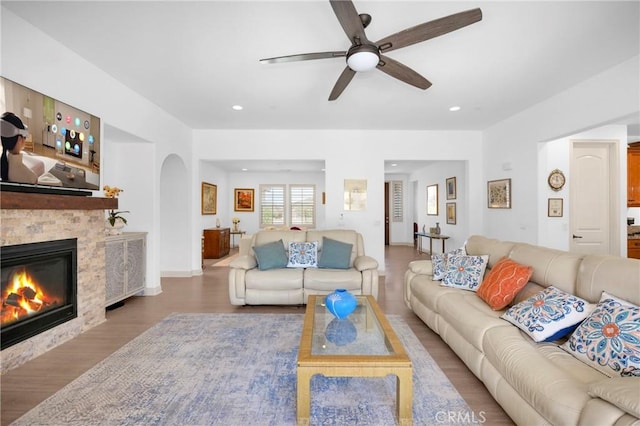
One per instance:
(535,383)
(249,285)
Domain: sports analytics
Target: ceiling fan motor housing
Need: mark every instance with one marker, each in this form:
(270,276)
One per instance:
(363,57)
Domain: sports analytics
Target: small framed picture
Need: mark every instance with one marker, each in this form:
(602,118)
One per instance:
(451,188)
(243,199)
(499,194)
(432,200)
(554,208)
(451,213)
(209,197)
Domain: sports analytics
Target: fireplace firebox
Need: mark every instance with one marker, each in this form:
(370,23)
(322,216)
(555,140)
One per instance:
(38,288)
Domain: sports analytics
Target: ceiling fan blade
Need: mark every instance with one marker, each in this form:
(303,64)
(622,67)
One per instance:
(429,30)
(402,72)
(342,83)
(349,19)
(303,57)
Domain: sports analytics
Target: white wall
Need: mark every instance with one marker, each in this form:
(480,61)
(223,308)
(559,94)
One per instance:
(513,144)
(351,154)
(555,232)
(126,117)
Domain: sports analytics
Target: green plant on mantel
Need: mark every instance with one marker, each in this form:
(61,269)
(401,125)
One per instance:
(115,215)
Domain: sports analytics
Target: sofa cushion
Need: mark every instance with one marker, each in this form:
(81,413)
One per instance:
(274,279)
(609,339)
(465,272)
(440,262)
(503,282)
(619,391)
(271,256)
(547,384)
(335,254)
(327,280)
(303,255)
(548,315)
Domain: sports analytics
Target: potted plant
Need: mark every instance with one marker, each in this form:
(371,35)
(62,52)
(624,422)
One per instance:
(115,220)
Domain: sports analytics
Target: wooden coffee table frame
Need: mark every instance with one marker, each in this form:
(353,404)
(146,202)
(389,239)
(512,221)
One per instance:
(397,363)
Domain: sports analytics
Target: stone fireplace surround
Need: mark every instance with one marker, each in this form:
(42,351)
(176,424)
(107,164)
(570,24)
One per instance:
(27,218)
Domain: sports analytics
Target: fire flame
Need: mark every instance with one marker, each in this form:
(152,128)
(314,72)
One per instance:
(22,297)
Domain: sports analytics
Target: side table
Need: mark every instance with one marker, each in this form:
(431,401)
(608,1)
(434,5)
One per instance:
(431,237)
(233,236)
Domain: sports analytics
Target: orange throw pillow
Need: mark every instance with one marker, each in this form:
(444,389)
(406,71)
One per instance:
(503,282)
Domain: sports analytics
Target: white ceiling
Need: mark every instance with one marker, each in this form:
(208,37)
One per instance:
(197,59)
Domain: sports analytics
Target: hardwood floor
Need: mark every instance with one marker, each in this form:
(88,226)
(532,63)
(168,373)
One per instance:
(26,386)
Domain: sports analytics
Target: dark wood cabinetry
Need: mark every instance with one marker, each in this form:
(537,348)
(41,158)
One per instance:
(216,243)
(633,248)
(633,175)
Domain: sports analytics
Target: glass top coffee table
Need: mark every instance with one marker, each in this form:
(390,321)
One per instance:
(362,345)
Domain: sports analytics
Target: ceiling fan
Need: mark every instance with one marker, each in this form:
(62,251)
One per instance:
(364,55)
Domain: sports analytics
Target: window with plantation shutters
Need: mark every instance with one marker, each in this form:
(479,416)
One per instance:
(272,205)
(302,205)
(398,202)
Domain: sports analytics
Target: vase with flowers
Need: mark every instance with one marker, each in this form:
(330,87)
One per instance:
(236,221)
(115,221)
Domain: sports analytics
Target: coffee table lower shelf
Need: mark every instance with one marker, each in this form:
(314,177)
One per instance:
(404,386)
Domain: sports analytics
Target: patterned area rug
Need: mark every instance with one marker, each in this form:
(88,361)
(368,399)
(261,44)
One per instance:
(235,369)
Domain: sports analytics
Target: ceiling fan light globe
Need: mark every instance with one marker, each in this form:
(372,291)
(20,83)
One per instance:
(363,61)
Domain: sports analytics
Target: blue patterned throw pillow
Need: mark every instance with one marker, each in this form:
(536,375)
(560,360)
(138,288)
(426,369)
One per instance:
(303,255)
(609,339)
(549,314)
(465,272)
(439,262)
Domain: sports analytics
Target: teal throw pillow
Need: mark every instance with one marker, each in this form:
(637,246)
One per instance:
(334,254)
(271,256)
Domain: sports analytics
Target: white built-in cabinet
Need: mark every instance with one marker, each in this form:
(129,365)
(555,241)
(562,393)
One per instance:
(125,265)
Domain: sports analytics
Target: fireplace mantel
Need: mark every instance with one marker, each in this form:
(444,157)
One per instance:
(34,201)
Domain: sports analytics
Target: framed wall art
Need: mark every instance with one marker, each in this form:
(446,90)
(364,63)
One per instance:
(209,198)
(432,200)
(450,184)
(499,194)
(243,199)
(554,207)
(451,213)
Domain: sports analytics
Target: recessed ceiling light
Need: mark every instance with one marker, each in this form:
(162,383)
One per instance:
(394,164)
(244,169)
(454,108)
(237,107)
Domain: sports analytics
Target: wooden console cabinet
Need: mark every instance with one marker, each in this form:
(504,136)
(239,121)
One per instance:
(125,259)
(216,243)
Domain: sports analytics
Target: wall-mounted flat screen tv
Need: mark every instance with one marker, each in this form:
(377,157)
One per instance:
(63,147)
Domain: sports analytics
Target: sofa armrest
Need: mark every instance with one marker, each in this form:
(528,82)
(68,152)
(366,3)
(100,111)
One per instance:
(421,267)
(246,261)
(363,263)
(623,392)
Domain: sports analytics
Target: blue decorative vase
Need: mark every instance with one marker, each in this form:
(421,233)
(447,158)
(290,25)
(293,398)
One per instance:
(340,332)
(340,303)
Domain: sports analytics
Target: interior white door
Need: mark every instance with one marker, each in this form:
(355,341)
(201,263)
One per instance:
(590,185)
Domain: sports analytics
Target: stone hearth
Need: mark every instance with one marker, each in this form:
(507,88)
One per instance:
(34,220)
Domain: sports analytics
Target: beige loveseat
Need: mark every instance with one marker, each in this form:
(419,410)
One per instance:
(249,285)
(535,383)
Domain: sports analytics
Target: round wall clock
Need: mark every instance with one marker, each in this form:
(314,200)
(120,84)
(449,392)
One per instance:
(556,180)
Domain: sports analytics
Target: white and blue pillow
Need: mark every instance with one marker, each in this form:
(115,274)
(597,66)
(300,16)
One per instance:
(549,314)
(465,272)
(439,262)
(609,339)
(303,255)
